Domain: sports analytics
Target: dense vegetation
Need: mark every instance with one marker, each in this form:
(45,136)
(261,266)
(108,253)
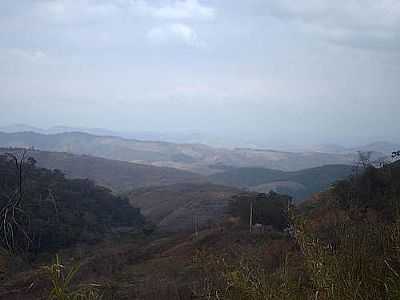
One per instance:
(374,188)
(41,210)
(343,245)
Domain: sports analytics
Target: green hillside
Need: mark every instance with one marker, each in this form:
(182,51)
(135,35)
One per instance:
(299,184)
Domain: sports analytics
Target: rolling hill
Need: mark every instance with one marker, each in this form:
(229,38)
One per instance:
(196,158)
(299,184)
(386,148)
(114,174)
(179,207)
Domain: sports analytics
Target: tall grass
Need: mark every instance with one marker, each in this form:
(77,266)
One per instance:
(62,284)
(355,260)
(360,260)
(245,278)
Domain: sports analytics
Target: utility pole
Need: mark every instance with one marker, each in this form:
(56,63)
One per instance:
(251,215)
(196,225)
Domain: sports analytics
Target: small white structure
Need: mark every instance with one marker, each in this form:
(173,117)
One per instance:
(260,228)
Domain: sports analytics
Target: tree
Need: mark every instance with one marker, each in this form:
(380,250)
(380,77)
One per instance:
(268,209)
(14,219)
(396,154)
(41,210)
(376,188)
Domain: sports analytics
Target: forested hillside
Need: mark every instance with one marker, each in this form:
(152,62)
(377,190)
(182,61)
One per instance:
(41,210)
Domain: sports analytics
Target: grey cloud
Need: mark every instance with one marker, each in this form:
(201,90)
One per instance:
(87,11)
(177,10)
(360,23)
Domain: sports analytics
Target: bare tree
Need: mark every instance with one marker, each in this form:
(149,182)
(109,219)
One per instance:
(396,154)
(12,214)
(251,215)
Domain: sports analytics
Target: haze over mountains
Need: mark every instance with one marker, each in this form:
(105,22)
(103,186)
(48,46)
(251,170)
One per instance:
(210,139)
(173,136)
(197,158)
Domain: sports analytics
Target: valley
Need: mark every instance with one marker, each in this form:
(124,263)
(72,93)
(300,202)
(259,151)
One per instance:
(175,200)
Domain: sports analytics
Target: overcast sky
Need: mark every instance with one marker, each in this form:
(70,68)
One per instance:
(280,71)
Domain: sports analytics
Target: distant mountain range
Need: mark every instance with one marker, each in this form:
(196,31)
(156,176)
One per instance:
(146,135)
(214,140)
(195,158)
(63,129)
(380,147)
(125,164)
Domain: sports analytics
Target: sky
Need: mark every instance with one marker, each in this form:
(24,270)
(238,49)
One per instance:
(270,72)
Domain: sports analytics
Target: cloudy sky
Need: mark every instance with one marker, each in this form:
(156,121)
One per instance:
(277,71)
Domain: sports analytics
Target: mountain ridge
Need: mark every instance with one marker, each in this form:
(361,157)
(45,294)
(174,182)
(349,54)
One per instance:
(196,158)
(113,174)
(182,137)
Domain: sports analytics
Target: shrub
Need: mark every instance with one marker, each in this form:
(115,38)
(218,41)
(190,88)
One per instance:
(62,284)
